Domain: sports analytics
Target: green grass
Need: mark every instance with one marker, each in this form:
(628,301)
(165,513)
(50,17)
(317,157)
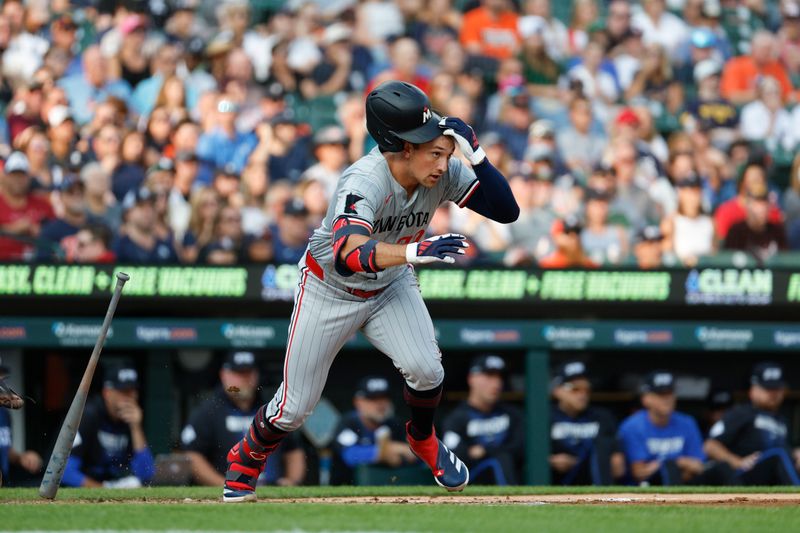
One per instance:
(94,509)
(461,519)
(213,493)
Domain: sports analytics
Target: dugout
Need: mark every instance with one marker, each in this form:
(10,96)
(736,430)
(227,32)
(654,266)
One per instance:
(704,323)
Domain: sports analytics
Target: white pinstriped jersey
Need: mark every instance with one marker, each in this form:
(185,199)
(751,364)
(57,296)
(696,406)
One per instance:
(367,194)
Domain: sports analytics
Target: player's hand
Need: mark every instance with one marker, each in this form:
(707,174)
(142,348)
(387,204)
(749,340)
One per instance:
(465,137)
(748,462)
(476,452)
(439,248)
(130,413)
(562,462)
(30,461)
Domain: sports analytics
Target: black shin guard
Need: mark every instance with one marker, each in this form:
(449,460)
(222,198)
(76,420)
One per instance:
(423,406)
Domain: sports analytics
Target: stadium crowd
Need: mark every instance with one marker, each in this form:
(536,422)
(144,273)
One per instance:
(193,131)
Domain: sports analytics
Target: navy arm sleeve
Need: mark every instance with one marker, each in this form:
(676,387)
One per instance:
(493,199)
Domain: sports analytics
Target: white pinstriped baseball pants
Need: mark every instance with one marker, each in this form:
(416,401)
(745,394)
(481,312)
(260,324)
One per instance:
(395,321)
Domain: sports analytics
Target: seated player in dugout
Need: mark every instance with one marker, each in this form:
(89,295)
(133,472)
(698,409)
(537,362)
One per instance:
(28,460)
(110,449)
(583,445)
(369,434)
(487,433)
(753,438)
(220,421)
(663,446)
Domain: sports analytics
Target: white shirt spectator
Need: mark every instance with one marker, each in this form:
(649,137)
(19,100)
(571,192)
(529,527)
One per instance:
(758,123)
(670,31)
(693,237)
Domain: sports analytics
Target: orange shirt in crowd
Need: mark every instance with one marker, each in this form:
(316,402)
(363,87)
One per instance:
(559,259)
(497,37)
(741,74)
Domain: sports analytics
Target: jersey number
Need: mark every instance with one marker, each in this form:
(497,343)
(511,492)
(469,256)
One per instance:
(409,239)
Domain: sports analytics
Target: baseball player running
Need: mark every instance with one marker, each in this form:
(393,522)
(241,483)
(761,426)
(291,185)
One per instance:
(357,275)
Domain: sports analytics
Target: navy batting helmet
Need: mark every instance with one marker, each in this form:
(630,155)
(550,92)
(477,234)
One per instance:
(397,112)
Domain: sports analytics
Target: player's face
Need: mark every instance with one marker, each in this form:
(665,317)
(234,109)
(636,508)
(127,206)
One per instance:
(767,399)
(240,384)
(487,386)
(117,399)
(575,394)
(662,404)
(427,162)
(374,410)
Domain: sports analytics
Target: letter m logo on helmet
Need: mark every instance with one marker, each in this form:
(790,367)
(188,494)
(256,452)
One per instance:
(399,112)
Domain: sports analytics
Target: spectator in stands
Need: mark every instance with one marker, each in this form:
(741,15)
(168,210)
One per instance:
(584,14)
(597,84)
(100,201)
(93,245)
(290,233)
(515,120)
(22,213)
(753,438)
(709,110)
(580,146)
(330,150)
(231,245)
(205,205)
(555,32)
(753,178)
(490,30)
(648,248)
(756,235)
(654,76)
(618,26)
(219,422)
(33,143)
(183,185)
(370,434)
(632,204)
(487,433)
(61,133)
(110,448)
(765,120)
(689,233)
(139,243)
(25,109)
(28,460)
(541,71)
(224,145)
(661,27)
(741,74)
(57,235)
(603,242)
(663,446)
(569,252)
(92,86)
(583,447)
(130,63)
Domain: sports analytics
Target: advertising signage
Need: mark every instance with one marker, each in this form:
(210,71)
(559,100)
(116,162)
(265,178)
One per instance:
(276,283)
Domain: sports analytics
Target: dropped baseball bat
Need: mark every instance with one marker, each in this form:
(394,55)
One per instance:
(58,459)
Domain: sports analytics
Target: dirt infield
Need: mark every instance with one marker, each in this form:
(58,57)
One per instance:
(735,499)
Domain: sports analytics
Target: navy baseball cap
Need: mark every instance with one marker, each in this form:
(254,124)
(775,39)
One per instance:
(487,364)
(372,387)
(658,382)
(569,371)
(240,361)
(295,207)
(720,399)
(649,234)
(121,376)
(768,375)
